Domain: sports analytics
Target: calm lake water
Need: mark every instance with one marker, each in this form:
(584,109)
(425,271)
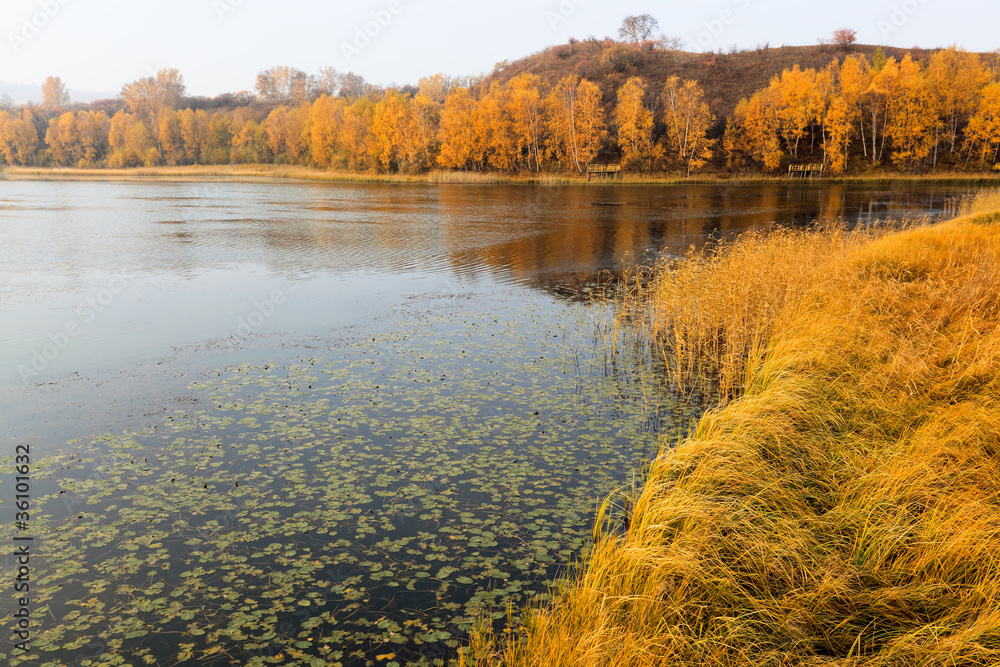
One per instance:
(319,423)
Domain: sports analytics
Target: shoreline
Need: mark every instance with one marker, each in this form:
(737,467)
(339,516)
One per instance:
(851,481)
(254,173)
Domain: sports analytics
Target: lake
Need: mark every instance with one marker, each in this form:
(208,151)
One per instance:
(313,423)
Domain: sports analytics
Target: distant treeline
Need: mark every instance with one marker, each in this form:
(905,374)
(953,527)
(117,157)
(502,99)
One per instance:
(855,115)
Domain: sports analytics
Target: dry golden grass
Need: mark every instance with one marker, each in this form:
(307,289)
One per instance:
(844,508)
(294,172)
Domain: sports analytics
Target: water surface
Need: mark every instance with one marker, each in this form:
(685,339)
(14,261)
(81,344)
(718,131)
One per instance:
(318,423)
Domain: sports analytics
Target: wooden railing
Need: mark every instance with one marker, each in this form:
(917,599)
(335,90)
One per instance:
(604,170)
(805,170)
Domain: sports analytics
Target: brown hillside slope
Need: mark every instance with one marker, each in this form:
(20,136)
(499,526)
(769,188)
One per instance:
(725,77)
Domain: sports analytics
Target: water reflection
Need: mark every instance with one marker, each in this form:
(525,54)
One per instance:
(200,255)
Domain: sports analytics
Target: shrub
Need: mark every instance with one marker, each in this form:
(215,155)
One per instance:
(622,57)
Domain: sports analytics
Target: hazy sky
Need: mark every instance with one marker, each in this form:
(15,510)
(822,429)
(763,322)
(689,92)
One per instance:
(220,45)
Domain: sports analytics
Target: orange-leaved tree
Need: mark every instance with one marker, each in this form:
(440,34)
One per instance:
(634,121)
(462,143)
(913,117)
(955,79)
(575,123)
(982,136)
(63,140)
(688,119)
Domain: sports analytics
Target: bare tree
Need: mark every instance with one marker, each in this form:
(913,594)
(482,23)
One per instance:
(639,28)
(354,85)
(148,95)
(670,43)
(171,88)
(54,93)
(285,84)
(328,82)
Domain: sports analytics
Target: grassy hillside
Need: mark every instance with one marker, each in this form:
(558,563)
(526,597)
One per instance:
(726,77)
(844,509)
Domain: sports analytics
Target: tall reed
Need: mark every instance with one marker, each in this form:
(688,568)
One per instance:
(843,508)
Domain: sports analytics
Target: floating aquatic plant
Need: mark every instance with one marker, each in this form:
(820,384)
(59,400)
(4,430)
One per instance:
(360,508)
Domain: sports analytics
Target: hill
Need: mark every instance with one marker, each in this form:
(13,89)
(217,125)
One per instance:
(725,77)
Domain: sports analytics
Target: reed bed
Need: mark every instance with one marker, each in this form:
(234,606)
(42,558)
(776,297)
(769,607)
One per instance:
(843,507)
(295,172)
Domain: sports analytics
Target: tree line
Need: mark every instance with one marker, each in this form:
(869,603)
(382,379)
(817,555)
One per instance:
(859,113)
(854,115)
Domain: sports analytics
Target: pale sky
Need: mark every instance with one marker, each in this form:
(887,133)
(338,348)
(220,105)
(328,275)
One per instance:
(220,45)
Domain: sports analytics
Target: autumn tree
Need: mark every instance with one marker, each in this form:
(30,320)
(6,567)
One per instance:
(63,140)
(753,131)
(390,131)
(845,38)
(525,110)
(54,93)
(797,105)
(18,138)
(495,127)
(170,138)
(634,121)
(955,78)
(145,97)
(855,78)
(875,103)
(217,147)
(436,87)
(288,133)
(285,85)
(130,142)
(357,136)
(688,120)
(838,130)
(326,120)
(575,123)
(194,134)
(460,132)
(982,136)
(913,118)
(425,115)
(92,128)
(638,28)
(249,141)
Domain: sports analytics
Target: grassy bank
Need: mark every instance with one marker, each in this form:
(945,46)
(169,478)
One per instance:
(289,172)
(844,507)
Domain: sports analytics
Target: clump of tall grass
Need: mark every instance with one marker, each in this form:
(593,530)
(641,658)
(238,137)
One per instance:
(712,311)
(844,507)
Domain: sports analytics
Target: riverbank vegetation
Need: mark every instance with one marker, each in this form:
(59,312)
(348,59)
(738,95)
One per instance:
(252,172)
(659,113)
(842,507)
